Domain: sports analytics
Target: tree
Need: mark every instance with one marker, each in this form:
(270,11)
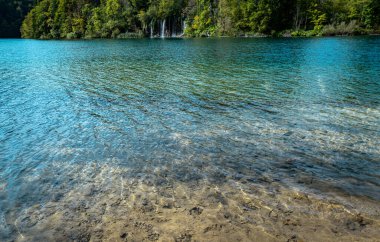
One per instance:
(113,18)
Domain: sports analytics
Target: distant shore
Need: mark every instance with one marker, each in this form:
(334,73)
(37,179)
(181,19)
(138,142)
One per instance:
(210,37)
(283,34)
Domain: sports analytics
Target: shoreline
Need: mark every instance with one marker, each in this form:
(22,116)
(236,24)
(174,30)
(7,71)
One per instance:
(217,37)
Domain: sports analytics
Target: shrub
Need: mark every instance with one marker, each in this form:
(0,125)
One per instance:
(71,35)
(131,35)
(351,28)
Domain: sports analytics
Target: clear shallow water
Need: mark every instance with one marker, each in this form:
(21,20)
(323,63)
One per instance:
(304,113)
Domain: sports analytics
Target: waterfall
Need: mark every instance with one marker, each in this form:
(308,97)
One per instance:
(163,28)
(173,31)
(151,29)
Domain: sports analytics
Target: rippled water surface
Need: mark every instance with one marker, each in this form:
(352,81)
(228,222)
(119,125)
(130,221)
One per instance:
(100,117)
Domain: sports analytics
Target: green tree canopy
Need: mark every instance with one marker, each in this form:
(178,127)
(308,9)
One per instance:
(115,18)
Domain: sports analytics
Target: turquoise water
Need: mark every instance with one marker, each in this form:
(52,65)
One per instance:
(303,113)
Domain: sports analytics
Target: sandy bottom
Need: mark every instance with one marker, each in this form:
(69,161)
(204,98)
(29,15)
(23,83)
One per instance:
(103,203)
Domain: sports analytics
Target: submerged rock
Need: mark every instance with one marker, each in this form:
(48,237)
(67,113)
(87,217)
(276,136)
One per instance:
(196,211)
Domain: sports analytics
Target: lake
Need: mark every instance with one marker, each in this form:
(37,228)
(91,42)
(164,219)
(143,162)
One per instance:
(190,139)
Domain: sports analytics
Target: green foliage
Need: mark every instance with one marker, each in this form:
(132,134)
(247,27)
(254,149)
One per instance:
(133,35)
(203,23)
(318,18)
(137,18)
(351,28)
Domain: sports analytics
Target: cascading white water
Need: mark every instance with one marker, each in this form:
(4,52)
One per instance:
(174,31)
(163,28)
(151,29)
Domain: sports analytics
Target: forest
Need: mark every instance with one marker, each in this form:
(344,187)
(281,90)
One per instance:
(71,19)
